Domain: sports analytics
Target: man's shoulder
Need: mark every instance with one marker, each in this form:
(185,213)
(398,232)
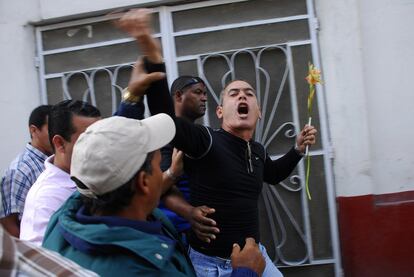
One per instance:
(27,163)
(46,185)
(19,161)
(19,172)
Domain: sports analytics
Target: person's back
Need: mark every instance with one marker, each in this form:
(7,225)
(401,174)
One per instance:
(24,170)
(112,246)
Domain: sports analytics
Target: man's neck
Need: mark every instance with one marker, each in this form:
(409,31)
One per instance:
(180,114)
(244,134)
(39,147)
(59,163)
(132,212)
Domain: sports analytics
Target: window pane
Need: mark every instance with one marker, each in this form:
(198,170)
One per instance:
(237,13)
(188,68)
(275,224)
(242,37)
(107,97)
(54,91)
(93,57)
(85,34)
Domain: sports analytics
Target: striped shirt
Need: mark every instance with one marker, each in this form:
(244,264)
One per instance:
(20,258)
(18,179)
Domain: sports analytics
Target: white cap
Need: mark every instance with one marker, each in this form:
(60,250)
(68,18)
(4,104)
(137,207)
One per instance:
(110,151)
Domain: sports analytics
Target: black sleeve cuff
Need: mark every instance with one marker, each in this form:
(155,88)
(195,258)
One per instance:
(153,67)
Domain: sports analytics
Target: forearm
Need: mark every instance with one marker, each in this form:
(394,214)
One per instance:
(278,170)
(167,182)
(131,110)
(158,95)
(11,224)
(174,200)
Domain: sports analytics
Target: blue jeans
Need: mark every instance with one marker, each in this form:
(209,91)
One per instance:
(209,266)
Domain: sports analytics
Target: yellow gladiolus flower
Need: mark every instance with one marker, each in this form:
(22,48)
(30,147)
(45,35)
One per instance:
(314,75)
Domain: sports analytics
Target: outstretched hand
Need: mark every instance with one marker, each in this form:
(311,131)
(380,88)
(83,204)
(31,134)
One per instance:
(136,23)
(250,257)
(203,226)
(306,137)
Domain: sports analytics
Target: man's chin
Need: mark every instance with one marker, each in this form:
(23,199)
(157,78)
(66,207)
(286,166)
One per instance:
(245,125)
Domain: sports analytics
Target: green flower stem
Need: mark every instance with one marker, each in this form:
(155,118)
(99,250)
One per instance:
(307,176)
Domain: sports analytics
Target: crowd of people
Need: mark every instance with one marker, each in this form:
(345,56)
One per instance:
(156,196)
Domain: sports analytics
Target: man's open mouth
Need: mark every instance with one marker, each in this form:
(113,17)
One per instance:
(243,108)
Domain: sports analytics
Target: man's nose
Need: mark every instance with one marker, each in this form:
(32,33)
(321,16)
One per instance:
(204,97)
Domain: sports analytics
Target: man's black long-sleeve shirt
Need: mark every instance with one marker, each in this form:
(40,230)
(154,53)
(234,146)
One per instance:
(225,172)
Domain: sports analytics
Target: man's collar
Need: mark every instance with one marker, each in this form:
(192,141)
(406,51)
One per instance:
(42,156)
(149,227)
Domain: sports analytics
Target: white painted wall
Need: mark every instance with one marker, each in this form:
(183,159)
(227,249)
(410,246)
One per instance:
(18,78)
(342,67)
(388,45)
(366,50)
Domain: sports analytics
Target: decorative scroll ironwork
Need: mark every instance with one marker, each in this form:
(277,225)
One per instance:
(89,94)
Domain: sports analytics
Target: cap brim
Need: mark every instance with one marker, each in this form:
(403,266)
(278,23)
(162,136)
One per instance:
(162,130)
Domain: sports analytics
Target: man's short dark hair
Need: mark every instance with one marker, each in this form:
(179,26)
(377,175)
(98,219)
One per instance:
(60,117)
(39,115)
(184,81)
(114,201)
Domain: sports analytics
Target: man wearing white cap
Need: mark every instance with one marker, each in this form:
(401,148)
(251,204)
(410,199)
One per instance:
(113,227)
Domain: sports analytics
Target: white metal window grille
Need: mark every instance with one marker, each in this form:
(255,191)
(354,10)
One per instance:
(267,43)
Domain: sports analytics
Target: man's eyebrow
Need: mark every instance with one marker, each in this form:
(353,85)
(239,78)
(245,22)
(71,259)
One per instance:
(241,89)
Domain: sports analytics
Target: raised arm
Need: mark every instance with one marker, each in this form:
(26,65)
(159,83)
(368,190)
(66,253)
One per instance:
(193,139)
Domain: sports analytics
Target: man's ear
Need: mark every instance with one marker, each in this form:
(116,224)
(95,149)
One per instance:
(219,112)
(58,143)
(141,183)
(260,113)
(32,130)
(178,96)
